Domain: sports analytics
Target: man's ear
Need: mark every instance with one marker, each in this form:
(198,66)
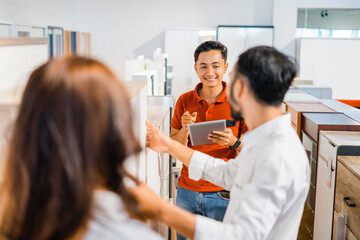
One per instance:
(195,67)
(238,89)
(226,67)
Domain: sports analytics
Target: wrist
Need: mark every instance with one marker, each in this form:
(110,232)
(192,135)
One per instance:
(236,144)
(185,129)
(163,210)
(233,141)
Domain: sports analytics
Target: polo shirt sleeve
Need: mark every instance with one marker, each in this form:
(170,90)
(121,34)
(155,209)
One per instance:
(178,112)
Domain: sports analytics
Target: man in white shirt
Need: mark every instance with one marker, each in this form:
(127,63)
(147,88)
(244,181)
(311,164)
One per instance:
(268,180)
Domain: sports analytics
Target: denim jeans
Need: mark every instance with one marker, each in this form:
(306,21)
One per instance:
(209,204)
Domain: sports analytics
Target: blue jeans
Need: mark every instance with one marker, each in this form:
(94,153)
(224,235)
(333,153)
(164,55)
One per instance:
(209,204)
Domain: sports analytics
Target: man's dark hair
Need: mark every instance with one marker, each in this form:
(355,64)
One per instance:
(269,73)
(208,46)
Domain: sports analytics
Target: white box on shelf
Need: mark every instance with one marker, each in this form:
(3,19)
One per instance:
(150,77)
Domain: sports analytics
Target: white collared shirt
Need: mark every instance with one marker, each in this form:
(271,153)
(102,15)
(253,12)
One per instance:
(111,221)
(269,181)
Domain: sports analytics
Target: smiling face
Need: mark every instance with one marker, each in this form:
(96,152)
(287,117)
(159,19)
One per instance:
(210,68)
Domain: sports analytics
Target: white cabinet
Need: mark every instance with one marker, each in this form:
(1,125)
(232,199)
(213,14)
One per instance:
(332,144)
(158,174)
(324,199)
(158,163)
(238,39)
(19,57)
(137,90)
(28,30)
(317,55)
(180,46)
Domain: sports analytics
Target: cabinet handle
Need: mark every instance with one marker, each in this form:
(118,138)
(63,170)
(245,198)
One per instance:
(346,200)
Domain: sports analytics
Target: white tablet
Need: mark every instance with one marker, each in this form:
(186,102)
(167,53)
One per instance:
(199,132)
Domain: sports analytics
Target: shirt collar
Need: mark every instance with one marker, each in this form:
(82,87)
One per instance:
(222,97)
(252,137)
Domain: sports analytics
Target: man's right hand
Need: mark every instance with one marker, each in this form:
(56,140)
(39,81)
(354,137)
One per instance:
(156,139)
(188,118)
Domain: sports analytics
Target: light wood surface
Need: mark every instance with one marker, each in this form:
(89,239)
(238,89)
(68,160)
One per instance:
(352,163)
(349,138)
(348,185)
(14,41)
(67,47)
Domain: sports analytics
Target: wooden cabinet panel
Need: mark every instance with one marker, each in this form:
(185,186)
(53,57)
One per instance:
(312,123)
(332,145)
(348,185)
(344,142)
(297,108)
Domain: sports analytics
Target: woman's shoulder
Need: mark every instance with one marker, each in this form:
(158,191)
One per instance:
(110,220)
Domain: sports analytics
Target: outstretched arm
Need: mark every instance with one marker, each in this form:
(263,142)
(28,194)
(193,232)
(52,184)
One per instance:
(203,167)
(159,142)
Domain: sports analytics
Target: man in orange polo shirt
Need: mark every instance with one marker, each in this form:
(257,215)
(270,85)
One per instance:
(207,102)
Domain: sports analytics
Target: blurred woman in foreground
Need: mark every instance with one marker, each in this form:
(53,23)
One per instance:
(64,175)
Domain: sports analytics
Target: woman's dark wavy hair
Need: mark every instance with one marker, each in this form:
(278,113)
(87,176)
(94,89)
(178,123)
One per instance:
(72,134)
(269,73)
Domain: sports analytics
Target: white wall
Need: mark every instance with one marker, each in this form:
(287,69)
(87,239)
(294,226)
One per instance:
(285,18)
(124,29)
(44,12)
(333,63)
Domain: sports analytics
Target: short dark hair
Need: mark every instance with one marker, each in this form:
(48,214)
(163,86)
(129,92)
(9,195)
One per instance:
(208,46)
(269,73)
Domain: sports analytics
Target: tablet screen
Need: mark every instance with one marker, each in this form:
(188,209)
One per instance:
(199,132)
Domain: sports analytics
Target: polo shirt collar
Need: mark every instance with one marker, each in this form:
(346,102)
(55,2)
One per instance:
(221,99)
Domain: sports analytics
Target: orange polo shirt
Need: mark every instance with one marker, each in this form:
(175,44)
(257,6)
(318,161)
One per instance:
(219,109)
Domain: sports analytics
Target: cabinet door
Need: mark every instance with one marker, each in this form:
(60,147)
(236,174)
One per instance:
(323,202)
(165,159)
(327,149)
(311,151)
